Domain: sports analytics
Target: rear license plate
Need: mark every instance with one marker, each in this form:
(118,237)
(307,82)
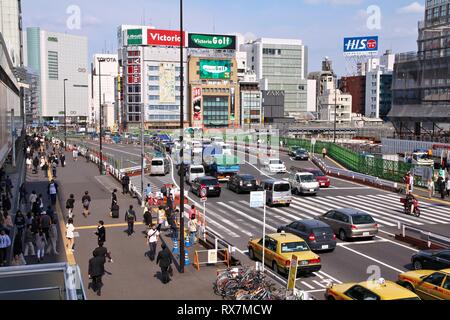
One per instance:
(211,188)
(311,190)
(325,247)
(366,234)
(249,185)
(304,262)
(282,202)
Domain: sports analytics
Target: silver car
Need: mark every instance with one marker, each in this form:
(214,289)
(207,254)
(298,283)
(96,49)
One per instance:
(350,223)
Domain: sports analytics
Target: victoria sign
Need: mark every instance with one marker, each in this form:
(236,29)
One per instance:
(164,37)
(212,41)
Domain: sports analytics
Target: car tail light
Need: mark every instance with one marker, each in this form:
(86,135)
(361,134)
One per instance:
(312,261)
(334,236)
(312,237)
(354,227)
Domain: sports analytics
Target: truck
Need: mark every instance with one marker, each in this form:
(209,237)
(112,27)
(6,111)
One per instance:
(222,167)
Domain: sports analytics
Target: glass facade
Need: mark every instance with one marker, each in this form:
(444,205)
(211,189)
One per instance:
(215,112)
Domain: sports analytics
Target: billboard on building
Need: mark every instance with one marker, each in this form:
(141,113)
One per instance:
(197,107)
(157,37)
(361,45)
(167,83)
(215,69)
(134,37)
(211,41)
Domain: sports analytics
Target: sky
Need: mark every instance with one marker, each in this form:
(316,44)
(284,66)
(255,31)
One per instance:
(320,24)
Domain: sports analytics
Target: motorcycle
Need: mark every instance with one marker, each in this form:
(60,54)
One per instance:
(415,203)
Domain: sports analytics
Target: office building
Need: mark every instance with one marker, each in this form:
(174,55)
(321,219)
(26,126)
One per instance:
(55,57)
(281,64)
(356,87)
(108,71)
(421,80)
(11,28)
(251,101)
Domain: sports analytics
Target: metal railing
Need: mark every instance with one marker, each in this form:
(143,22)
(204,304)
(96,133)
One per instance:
(423,235)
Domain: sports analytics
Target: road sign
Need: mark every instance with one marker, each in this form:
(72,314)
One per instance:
(313,141)
(212,256)
(257,199)
(292,273)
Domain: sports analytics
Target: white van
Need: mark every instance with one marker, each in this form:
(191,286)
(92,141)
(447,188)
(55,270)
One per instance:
(193,172)
(277,192)
(159,166)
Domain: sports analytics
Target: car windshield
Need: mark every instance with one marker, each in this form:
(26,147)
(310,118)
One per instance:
(276,162)
(291,247)
(157,163)
(248,178)
(308,178)
(197,170)
(282,187)
(300,151)
(209,182)
(362,219)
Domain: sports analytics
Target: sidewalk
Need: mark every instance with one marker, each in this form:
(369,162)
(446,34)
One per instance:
(132,275)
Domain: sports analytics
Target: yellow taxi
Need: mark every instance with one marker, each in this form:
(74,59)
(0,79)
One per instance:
(427,284)
(280,247)
(369,290)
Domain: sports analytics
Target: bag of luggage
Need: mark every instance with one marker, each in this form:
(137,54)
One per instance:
(115,211)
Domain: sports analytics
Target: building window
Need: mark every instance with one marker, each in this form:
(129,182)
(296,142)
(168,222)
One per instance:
(153,68)
(153,88)
(215,112)
(153,78)
(53,65)
(153,97)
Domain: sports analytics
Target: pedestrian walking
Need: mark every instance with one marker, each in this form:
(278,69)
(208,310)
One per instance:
(44,167)
(442,187)
(125,184)
(29,163)
(173,225)
(103,252)
(193,212)
(324,153)
(161,215)
(164,260)
(29,241)
(70,205)
(41,242)
(52,191)
(22,194)
(75,153)
(147,219)
(5,243)
(101,232)
(148,192)
(53,238)
(6,203)
(19,222)
(33,198)
(62,158)
(411,182)
(447,185)
(35,164)
(152,240)
(86,201)
(44,224)
(96,271)
(193,228)
(19,259)
(9,186)
(430,187)
(54,165)
(7,222)
(114,198)
(130,218)
(70,235)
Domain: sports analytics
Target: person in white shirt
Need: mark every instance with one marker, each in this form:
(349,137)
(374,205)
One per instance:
(70,234)
(29,163)
(152,239)
(411,182)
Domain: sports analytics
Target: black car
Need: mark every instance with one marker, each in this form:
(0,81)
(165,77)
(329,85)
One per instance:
(431,259)
(242,183)
(300,154)
(317,234)
(210,184)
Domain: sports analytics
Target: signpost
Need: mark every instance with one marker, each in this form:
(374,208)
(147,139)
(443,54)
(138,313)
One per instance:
(292,273)
(204,199)
(258,200)
(313,143)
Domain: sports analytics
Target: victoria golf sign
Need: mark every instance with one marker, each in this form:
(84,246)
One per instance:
(212,41)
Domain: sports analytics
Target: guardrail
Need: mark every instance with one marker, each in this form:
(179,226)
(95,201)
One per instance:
(421,237)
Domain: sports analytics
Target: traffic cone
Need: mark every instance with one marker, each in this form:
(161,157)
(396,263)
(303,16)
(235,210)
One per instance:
(175,247)
(187,262)
(188,241)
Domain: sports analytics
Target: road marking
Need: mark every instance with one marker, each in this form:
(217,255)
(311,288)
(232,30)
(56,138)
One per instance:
(345,188)
(319,284)
(107,226)
(342,244)
(245,216)
(391,234)
(373,259)
(399,244)
(330,277)
(317,290)
(307,285)
(319,275)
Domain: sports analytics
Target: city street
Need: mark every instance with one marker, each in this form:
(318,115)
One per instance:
(230,217)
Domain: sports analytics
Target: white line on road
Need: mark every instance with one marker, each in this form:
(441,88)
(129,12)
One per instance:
(398,244)
(360,242)
(388,233)
(330,277)
(307,285)
(319,284)
(317,290)
(373,259)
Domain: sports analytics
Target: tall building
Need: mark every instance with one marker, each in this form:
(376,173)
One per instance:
(421,80)
(282,65)
(105,75)
(356,87)
(11,28)
(150,59)
(251,101)
(55,57)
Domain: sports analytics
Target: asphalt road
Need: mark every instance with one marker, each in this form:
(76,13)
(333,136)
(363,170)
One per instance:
(231,218)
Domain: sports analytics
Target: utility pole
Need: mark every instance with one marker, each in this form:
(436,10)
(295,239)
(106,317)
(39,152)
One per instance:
(181,142)
(335,111)
(65,116)
(100,60)
(142,141)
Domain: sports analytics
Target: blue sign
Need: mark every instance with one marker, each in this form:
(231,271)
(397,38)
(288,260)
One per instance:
(361,44)
(227,169)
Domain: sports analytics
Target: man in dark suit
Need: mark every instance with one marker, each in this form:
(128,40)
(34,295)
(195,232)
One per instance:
(125,184)
(96,272)
(165,260)
(101,232)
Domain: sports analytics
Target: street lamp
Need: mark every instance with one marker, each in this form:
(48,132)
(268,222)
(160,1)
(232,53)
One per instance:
(65,116)
(100,60)
(181,142)
(335,108)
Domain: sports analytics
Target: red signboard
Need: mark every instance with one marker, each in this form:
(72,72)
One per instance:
(134,79)
(134,69)
(164,38)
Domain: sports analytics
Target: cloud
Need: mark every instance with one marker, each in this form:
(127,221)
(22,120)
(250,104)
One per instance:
(413,8)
